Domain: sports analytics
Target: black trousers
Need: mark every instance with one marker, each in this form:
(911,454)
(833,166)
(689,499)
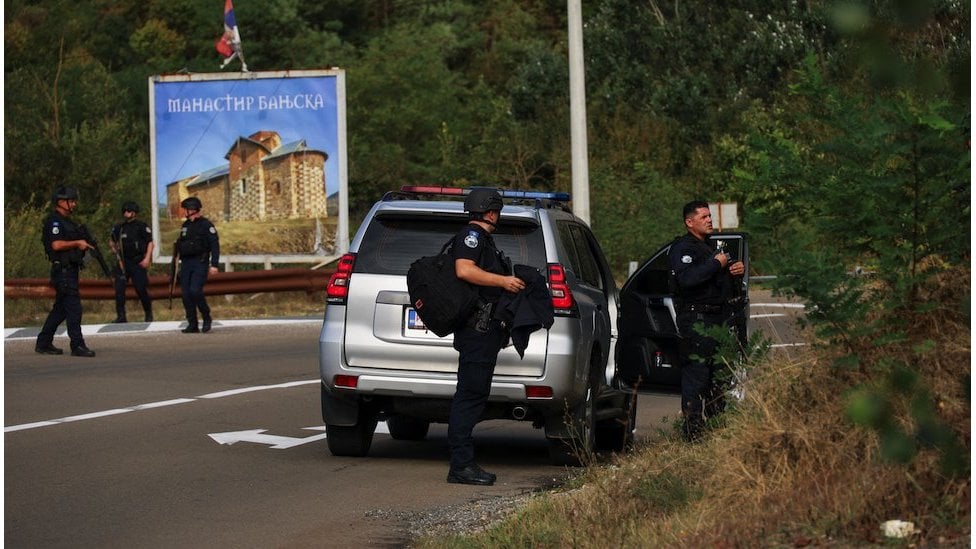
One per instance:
(67,307)
(193,275)
(700,395)
(477,356)
(140,281)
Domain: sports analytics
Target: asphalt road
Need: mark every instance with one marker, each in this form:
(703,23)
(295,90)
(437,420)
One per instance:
(212,440)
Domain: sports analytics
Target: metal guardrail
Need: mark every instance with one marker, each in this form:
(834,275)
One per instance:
(242,282)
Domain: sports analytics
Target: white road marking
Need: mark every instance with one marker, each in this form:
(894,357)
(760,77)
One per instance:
(153,405)
(257,436)
(768,315)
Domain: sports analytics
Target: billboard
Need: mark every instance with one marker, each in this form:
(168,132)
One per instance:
(265,152)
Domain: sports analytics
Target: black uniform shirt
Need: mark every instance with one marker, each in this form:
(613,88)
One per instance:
(474,243)
(58,227)
(699,277)
(197,238)
(132,238)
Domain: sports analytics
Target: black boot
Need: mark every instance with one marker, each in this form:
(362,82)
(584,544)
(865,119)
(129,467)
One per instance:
(472,474)
(207,323)
(81,350)
(47,349)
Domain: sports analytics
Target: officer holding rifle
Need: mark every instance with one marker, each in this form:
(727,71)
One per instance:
(65,245)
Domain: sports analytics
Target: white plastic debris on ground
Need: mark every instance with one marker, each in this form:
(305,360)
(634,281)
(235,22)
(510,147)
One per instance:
(898,528)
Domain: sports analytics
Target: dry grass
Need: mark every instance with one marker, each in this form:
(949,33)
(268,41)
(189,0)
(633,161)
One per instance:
(785,469)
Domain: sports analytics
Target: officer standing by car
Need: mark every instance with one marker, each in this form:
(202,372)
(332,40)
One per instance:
(65,245)
(132,240)
(705,280)
(478,262)
(199,249)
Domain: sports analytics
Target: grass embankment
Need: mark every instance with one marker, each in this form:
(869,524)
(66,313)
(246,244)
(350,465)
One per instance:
(785,469)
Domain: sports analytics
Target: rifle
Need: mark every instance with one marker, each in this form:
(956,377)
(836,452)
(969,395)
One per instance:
(95,252)
(172,272)
(117,250)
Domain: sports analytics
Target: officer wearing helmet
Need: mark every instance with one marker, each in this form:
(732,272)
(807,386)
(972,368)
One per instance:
(479,262)
(132,242)
(199,250)
(65,246)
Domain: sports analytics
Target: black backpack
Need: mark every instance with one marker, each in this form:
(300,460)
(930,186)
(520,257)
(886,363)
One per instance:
(442,300)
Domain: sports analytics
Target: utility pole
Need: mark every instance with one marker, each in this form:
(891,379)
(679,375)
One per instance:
(577,114)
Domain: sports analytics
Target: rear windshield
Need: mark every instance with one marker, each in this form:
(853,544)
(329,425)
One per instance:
(391,244)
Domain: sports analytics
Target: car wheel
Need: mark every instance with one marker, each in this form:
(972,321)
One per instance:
(617,434)
(352,440)
(407,428)
(577,450)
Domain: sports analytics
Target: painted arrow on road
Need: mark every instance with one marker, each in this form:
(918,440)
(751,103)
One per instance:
(277,442)
(257,436)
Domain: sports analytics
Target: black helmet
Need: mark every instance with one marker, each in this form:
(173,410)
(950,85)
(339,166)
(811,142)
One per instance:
(130,207)
(192,203)
(64,193)
(483,199)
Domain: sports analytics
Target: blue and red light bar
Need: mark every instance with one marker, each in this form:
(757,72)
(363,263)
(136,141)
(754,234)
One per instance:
(464,191)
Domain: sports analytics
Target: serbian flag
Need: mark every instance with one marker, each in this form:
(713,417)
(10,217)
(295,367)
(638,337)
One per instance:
(229,44)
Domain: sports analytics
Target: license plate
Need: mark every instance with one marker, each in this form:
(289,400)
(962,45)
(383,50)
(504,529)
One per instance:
(413,320)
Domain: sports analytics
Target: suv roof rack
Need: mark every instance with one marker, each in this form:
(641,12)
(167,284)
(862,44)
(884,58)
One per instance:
(542,199)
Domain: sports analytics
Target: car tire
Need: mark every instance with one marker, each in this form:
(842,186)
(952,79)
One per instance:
(617,434)
(407,428)
(577,450)
(352,440)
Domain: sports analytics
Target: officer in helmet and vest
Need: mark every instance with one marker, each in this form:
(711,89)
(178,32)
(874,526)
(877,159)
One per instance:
(132,241)
(65,246)
(199,250)
(478,262)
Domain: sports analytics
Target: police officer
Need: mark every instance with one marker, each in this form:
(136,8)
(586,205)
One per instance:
(705,280)
(199,250)
(65,246)
(132,240)
(478,262)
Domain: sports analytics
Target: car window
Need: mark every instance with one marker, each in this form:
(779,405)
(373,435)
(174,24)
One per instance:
(391,243)
(568,254)
(589,270)
(653,277)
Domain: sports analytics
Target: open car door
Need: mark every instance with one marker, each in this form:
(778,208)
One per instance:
(647,350)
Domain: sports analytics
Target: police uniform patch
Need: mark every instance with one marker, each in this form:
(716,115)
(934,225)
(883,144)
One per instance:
(686,259)
(213,230)
(471,240)
(55,230)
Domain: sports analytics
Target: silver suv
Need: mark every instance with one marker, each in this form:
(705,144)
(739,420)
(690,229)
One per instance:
(378,362)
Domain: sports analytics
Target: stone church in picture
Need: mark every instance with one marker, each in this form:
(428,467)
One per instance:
(263,180)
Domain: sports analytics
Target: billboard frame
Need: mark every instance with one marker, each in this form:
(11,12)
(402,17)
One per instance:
(341,244)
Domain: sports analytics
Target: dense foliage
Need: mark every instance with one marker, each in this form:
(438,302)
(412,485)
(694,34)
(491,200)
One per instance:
(447,91)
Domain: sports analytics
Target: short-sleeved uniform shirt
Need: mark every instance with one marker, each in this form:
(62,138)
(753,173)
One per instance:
(474,243)
(132,238)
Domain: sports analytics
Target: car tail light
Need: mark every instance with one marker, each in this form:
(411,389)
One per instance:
(538,391)
(338,288)
(348,382)
(562,297)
